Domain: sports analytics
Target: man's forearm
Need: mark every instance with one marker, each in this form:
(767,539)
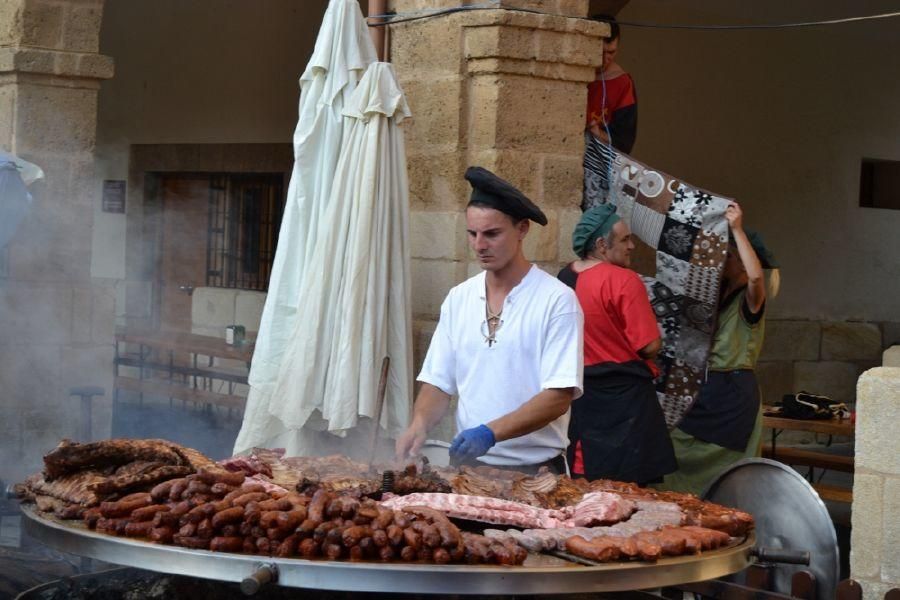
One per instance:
(542,409)
(430,407)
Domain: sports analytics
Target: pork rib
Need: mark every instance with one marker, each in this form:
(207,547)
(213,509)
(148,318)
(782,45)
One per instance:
(70,457)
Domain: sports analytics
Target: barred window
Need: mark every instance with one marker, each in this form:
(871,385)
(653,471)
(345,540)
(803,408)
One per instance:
(245,211)
(879,184)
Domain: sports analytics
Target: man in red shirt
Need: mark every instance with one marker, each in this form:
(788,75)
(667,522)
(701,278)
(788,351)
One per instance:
(617,428)
(611,119)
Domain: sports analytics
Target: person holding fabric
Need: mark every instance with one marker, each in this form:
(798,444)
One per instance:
(611,118)
(508,344)
(617,429)
(725,423)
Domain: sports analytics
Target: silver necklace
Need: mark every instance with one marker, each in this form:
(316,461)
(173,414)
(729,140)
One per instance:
(491,324)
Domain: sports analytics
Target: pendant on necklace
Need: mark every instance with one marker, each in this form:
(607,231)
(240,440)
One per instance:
(492,324)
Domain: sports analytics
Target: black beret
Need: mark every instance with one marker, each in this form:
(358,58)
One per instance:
(493,192)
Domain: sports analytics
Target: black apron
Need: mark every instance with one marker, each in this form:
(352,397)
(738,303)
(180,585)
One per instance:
(620,425)
(726,409)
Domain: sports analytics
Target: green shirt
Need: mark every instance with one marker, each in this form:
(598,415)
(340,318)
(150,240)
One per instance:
(739,336)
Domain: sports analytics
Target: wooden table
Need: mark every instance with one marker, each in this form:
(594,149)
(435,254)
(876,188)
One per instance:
(162,370)
(812,459)
(827,426)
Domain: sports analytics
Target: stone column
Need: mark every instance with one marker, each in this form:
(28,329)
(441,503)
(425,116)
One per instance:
(874,560)
(503,89)
(57,323)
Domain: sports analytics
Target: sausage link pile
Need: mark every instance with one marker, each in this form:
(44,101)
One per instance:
(219,510)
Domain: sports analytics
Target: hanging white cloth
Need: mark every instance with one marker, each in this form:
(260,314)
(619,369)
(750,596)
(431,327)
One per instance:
(343,51)
(356,306)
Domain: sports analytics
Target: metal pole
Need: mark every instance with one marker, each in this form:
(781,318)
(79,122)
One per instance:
(377,7)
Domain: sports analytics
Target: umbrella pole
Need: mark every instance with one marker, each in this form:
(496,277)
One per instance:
(377,7)
(379,406)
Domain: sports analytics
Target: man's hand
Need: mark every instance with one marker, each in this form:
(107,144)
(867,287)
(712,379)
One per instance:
(735,216)
(472,443)
(410,442)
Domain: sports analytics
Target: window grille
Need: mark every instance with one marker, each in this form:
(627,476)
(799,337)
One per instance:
(245,212)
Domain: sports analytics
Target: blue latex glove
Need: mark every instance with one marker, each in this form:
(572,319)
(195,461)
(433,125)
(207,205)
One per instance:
(472,443)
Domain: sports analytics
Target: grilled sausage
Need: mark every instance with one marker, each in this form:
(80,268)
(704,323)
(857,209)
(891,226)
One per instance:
(408,553)
(138,529)
(275,504)
(180,509)
(149,512)
(441,556)
(196,487)
(395,535)
(308,548)
(226,544)
(379,537)
(212,476)
(353,535)
(386,553)
(161,491)
(198,513)
(205,529)
(229,515)
(249,497)
(177,489)
(124,507)
(191,542)
(162,535)
(316,510)
(287,547)
(221,489)
(332,551)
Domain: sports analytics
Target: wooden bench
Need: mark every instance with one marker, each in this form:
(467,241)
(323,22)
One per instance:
(812,459)
(834,493)
(168,365)
(175,389)
(806,458)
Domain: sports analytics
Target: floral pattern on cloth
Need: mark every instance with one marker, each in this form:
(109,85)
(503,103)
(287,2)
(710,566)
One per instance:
(687,228)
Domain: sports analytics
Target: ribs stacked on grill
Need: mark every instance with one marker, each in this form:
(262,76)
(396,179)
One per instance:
(77,476)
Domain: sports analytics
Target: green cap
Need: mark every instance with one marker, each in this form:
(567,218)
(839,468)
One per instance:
(595,223)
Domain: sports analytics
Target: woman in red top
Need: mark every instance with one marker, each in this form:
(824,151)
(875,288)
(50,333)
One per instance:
(617,429)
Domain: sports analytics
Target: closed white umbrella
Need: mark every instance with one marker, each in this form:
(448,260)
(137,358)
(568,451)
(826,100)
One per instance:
(356,304)
(343,51)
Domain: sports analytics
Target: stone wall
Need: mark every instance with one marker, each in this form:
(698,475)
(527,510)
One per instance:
(874,560)
(821,357)
(58,322)
(504,90)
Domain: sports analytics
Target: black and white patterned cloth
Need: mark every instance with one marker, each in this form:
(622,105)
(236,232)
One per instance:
(687,228)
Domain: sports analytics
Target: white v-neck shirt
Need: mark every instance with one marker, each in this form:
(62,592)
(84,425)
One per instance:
(539,345)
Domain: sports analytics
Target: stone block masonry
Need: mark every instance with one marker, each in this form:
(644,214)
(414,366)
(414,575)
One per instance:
(874,560)
(820,357)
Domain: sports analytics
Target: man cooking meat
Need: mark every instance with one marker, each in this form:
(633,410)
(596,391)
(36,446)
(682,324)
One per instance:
(508,344)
